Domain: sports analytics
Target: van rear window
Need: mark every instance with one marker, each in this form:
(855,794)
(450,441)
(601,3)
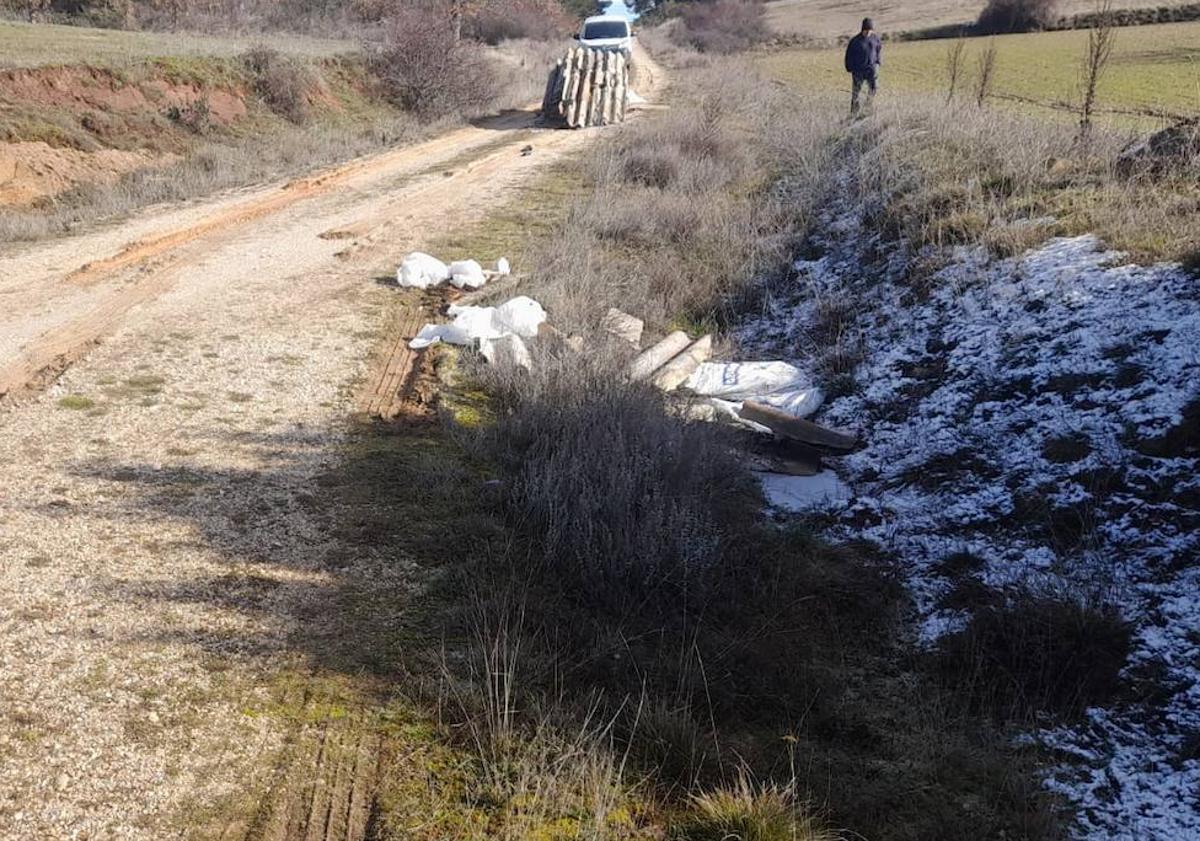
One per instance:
(605,29)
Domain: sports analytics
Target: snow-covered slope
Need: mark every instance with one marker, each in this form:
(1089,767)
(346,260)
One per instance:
(1039,414)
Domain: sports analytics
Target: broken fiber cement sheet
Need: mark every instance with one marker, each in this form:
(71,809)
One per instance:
(776,384)
(520,317)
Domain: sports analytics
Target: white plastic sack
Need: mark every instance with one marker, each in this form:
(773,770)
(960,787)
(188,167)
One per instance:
(521,316)
(775,384)
(421,271)
(467,274)
(502,267)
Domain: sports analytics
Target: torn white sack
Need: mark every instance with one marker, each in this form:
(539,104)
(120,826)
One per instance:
(776,384)
(521,316)
(420,271)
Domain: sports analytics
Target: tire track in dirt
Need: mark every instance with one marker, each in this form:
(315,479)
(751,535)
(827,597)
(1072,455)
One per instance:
(429,196)
(287,195)
(162,557)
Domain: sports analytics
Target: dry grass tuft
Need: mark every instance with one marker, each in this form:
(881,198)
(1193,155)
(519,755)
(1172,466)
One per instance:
(752,812)
(938,175)
(1039,653)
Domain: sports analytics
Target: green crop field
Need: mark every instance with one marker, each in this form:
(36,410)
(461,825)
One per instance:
(831,18)
(39,45)
(1154,70)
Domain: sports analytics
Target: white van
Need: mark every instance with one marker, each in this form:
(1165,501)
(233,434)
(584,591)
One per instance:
(607,32)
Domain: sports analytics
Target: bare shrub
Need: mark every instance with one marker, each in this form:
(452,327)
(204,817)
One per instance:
(1101,38)
(986,78)
(1011,181)
(539,20)
(426,69)
(282,82)
(1001,16)
(722,26)
(626,500)
(954,66)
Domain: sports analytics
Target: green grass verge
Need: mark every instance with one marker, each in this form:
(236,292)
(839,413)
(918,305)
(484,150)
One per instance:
(43,45)
(1154,69)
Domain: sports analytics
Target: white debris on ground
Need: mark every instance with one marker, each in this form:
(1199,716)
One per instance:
(520,316)
(776,384)
(421,271)
(799,494)
(1039,414)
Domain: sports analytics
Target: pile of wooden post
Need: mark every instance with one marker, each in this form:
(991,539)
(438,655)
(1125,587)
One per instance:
(588,87)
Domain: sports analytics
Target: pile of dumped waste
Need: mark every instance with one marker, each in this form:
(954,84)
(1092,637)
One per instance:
(769,399)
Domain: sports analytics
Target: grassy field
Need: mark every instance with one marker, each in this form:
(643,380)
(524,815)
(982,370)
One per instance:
(1155,69)
(831,18)
(40,45)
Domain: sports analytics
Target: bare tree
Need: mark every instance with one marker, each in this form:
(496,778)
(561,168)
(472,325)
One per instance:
(987,74)
(954,66)
(1101,38)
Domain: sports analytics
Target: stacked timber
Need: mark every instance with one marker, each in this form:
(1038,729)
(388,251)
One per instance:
(588,87)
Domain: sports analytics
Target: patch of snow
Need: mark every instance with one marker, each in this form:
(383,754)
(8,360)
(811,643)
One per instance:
(798,494)
(1015,412)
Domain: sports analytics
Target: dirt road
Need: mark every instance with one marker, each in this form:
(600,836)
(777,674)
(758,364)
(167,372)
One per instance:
(175,387)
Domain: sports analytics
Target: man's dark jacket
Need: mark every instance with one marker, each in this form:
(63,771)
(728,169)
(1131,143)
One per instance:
(864,53)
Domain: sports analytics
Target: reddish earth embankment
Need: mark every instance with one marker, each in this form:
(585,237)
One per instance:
(69,126)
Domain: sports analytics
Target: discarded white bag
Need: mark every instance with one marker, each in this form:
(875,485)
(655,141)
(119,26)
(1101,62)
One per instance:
(502,267)
(521,316)
(420,271)
(467,274)
(775,384)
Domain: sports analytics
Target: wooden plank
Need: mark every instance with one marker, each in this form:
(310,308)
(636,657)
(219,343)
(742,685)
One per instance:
(549,100)
(585,90)
(610,90)
(570,94)
(602,89)
(797,429)
(564,92)
(623,92)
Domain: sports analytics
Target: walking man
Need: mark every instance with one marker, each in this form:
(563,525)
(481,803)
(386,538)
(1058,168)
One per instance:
(864,54)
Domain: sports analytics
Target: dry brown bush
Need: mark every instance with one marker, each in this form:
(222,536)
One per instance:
(722,26)
(688,210)
(1001,16)
(280,81)
(426,69)
(509,20)
(627,500)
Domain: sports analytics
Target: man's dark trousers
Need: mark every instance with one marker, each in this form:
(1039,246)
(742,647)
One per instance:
(869,78)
